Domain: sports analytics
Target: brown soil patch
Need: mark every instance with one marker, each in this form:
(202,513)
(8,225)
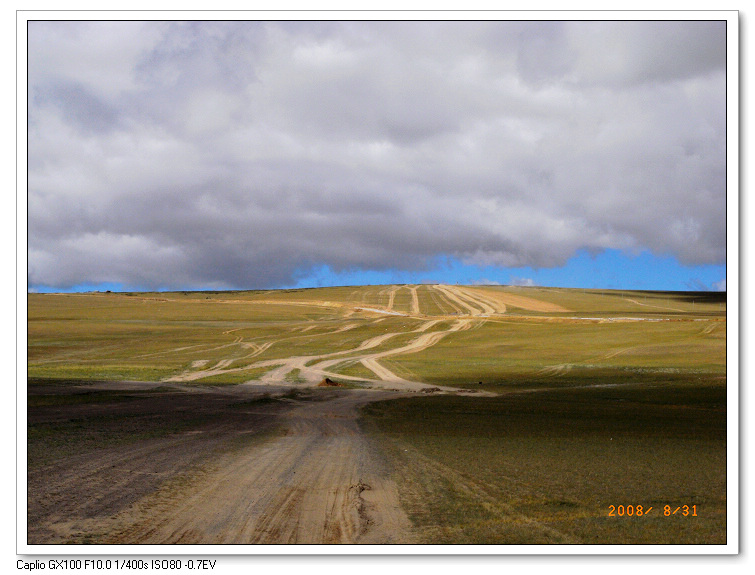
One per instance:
(327,382)
(520,301)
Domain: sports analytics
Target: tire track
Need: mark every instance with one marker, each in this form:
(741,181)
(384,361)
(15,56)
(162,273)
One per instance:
(423,470)
(415,300)
(469,304)
(634,301)
(322,482)
(450,301)
(420,343)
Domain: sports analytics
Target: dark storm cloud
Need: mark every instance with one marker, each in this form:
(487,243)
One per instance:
(243,154)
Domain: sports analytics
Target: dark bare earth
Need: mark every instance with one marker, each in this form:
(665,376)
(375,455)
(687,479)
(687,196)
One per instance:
(126,463)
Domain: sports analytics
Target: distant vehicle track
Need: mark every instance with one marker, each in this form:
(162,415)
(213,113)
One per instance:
(312,368)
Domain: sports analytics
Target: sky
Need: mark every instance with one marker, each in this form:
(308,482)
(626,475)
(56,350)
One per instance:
(250,155)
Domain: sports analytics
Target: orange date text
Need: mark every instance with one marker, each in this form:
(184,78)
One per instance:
(643,510)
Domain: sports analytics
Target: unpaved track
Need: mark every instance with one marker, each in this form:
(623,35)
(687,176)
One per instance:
(420,343)
(634,301)
(473,306)
(386,379)
(391,296)
(471,303)
(321,482)
(488,494)
(415,300)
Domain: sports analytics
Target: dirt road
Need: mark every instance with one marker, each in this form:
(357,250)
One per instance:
(319,482)
(314,478)
(471,307)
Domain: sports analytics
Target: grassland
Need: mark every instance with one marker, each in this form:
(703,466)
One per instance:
(154,336)
(549,467)
(566,401)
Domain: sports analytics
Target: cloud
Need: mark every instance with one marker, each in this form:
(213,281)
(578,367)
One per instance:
(640,53)
(696,284)
(523,282)
(243,154)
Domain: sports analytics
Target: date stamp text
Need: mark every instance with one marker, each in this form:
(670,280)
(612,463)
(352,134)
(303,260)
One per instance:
(644,511)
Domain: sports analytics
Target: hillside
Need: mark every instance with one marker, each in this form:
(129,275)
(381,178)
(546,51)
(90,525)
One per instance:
(372,335)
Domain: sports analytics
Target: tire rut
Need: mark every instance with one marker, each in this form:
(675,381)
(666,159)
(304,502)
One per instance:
(321,482)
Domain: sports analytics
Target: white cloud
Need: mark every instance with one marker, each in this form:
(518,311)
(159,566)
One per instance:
(522,282)
(245,153)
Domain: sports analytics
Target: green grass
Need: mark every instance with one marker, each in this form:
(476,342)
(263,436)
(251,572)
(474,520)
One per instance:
(500,353)
(294,376)
(353,369)
(231,378)
(143,336)
(545,467)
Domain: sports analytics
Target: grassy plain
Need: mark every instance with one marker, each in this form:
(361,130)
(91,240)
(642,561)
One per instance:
(550,467)
(601,397)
